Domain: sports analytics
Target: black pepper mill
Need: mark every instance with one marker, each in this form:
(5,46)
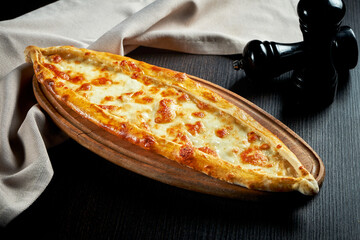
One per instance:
(327,48)
(316,82)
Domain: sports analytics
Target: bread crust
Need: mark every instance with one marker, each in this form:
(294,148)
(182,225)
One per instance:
(184,154)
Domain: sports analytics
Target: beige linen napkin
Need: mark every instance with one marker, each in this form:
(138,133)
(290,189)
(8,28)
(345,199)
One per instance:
(118,26)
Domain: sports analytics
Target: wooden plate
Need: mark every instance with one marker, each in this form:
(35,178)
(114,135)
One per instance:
(167,171)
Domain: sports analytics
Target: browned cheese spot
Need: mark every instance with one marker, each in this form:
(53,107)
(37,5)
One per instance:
(165,112)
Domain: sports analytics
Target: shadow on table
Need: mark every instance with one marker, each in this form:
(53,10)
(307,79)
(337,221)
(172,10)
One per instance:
(281,89)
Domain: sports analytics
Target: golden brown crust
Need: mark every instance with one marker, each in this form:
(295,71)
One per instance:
(185,154)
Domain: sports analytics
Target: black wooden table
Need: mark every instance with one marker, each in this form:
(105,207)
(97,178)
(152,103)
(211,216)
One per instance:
(91,198)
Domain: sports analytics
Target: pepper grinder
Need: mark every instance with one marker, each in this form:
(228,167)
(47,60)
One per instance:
(326,49)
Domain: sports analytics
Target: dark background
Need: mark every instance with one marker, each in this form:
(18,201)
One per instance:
(13,9)
(90,198)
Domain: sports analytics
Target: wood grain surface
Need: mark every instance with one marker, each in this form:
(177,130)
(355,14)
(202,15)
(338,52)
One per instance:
(89,198)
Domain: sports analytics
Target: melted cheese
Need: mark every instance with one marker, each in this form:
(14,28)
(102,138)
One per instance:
(169,113)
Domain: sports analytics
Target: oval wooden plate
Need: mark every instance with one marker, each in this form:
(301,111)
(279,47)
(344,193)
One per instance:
(157,167)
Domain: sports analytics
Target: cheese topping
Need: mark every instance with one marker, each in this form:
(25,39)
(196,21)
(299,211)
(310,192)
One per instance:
(167,112)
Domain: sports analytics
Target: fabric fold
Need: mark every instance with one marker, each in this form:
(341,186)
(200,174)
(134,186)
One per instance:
(194,26)
(33,171)
(26,134)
